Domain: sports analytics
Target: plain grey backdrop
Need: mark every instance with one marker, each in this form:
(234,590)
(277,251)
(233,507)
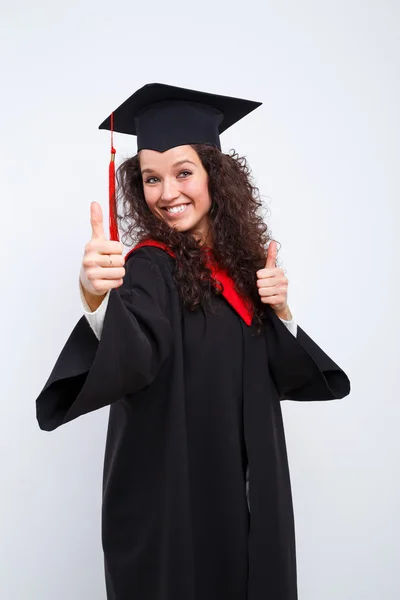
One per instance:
(324,149)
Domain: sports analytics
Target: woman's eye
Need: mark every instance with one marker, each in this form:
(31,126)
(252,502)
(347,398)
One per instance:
(151,180)
(184,174)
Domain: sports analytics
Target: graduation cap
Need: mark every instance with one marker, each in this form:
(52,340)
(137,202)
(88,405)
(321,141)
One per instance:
(164,116)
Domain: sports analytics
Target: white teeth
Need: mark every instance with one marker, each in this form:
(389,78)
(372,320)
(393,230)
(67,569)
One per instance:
(177,209)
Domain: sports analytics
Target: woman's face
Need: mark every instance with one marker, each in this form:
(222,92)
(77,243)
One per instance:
(175,186)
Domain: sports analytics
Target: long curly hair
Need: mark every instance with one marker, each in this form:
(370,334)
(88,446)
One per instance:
(237,228)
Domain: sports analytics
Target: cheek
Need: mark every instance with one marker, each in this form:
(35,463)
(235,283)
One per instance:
(151,197)
(199,193)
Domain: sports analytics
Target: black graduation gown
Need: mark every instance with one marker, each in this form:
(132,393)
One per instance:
(194,397)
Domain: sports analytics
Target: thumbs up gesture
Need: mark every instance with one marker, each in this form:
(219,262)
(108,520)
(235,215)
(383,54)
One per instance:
(103,263)
(273,285)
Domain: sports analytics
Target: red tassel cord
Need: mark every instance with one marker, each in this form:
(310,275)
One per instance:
(111,186)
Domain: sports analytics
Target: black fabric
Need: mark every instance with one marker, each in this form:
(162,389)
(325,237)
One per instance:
(194,398)
(164,116)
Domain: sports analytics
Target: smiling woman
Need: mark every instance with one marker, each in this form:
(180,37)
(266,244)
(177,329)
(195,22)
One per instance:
(191,344)
(223,213)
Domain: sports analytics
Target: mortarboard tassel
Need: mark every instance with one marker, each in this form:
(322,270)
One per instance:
(111,186)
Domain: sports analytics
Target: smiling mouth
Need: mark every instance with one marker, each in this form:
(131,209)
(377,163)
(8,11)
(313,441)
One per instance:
(176,210)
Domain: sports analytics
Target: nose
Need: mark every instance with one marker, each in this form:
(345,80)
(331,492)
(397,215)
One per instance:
(169,191)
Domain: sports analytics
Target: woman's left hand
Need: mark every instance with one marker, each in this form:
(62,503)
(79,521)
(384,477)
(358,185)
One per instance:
(273,285)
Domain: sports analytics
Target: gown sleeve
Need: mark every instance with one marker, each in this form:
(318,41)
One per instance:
(299,367)
(136,340)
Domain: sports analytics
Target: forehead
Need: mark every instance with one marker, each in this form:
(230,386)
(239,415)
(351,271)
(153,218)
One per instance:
(153,159)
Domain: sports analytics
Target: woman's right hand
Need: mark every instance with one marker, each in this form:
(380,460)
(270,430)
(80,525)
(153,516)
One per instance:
(103,263)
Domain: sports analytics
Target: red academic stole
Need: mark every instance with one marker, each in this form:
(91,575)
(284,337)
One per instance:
(241,305)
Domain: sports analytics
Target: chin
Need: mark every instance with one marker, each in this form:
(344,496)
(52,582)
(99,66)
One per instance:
(182,227)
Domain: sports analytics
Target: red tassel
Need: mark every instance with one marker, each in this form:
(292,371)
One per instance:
(111,185)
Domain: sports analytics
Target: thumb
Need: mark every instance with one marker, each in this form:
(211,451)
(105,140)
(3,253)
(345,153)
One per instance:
(96,221)
(271,255)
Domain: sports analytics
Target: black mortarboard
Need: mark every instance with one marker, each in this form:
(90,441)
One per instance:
(164,116)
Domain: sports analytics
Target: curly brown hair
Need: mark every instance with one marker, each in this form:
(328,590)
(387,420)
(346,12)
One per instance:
(237,228)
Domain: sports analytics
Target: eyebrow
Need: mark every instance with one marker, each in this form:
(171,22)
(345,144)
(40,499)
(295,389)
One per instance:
(177,164)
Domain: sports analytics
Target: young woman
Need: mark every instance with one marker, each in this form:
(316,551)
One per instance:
(191,343)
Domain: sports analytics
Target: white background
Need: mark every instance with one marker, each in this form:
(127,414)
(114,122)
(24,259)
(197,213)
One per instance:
(324,148)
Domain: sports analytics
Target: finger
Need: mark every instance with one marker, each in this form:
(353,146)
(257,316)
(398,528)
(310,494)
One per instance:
(266,274)
(94,259)
(272,291)
(271,255)
(100,273)
(270,282)
(103,246)
(110,260)
(103,286)
(274,284)
(96,221)
(275,273)
(273,300)
(264,292)
(113,260)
